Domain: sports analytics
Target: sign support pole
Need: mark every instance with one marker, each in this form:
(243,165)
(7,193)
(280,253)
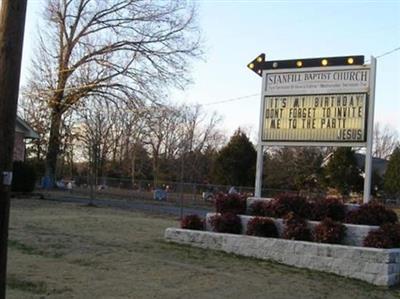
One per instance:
(259,167)
(260,151)
(370,130)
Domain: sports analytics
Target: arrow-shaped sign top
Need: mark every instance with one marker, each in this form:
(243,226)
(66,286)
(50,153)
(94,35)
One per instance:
(259,63)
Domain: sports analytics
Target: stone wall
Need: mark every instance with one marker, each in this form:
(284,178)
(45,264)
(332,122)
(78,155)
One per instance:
(251,200)
(355,234)
(376,266)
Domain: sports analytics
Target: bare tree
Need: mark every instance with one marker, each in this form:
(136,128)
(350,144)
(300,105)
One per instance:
(133,124)
(200,128)
(200,139)
(175,133)
(385,141)
(36,113)
(116,49)
(96,126)
(161,135)
(34,109)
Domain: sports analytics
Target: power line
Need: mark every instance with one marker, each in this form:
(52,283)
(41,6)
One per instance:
(388,52)
(231,100)
(253,95)
(385,53)
(214,102)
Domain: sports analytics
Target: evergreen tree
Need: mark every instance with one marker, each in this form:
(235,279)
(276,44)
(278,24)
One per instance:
(235,163)
(376,183)
(392,175)
(292,168)
(343,173)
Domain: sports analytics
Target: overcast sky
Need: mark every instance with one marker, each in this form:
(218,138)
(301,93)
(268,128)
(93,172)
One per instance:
(235,32)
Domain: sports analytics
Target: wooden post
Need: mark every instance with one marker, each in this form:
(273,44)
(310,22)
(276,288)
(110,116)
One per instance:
(12,23)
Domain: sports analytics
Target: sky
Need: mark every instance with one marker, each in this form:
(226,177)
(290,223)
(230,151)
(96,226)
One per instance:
(235,32)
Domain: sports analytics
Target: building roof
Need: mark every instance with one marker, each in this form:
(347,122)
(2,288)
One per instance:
(378,165)
(23,127)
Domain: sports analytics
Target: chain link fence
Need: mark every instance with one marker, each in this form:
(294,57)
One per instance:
(179,193)
(169,193)
(146,190)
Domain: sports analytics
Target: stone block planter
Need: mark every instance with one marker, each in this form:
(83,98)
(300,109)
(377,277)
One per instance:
(250,200)
(377,266)
(355,233)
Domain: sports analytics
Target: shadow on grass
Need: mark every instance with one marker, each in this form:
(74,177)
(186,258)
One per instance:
(90,205)
(27,249)
(33,287)
(37,287)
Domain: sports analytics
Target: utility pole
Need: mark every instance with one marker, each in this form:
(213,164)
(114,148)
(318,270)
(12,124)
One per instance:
(12,23)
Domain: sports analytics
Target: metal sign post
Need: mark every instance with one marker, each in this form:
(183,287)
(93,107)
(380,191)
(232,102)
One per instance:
(370,130)
(260,150)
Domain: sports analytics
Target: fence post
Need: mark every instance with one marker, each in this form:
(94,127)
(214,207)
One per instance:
(181,200)
(194,191)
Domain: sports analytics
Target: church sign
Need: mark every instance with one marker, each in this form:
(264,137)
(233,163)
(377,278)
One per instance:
(328,105)
(316,102)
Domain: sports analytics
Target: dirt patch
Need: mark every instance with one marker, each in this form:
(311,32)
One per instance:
(61,250)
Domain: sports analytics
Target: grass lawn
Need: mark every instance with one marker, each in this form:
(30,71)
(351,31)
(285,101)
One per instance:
(60,250)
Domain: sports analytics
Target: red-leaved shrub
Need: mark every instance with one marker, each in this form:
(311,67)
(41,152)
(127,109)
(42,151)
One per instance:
(329,231)
(296,228)
(262,208)
(269,208)
(393,230)
(226,223)
(378,239)
(286,203)
(257,208)
(371,214)
(230,203)
(387,236)
(262,227)
(328,208)
(192,222)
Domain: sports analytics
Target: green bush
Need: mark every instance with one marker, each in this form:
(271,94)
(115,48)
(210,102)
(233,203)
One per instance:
(392,175)
(24,177)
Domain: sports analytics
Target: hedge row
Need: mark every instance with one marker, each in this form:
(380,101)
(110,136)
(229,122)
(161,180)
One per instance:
(295,210)
(367,214)
(327,231)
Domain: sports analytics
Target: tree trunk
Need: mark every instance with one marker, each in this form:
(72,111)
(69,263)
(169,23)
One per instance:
(53,148)
(38,156)
(155,171)
(133,166)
